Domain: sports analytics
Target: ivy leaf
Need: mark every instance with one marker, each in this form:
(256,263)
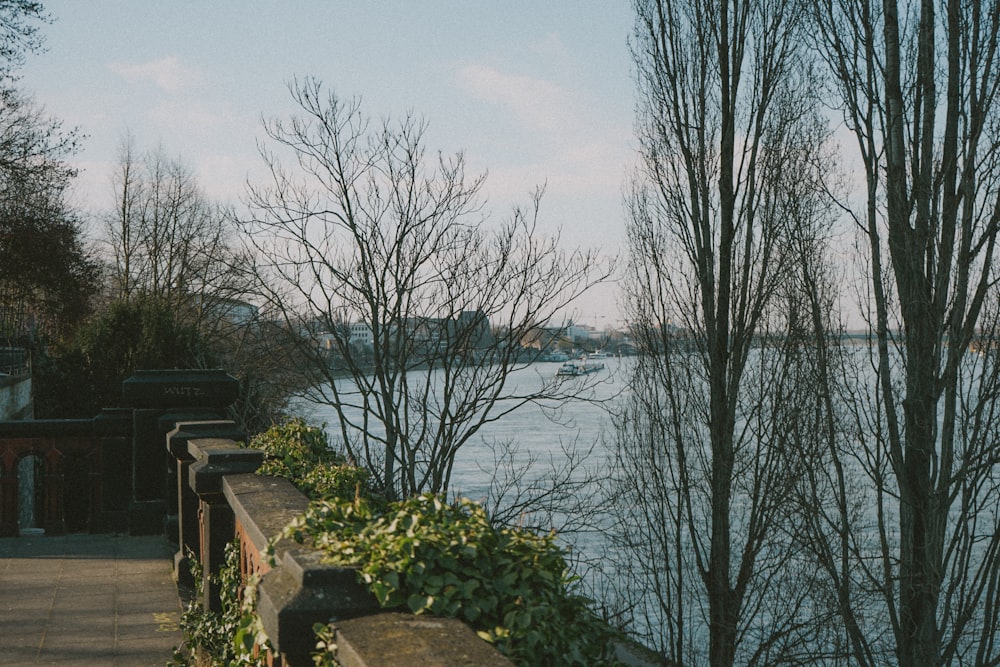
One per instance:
(418,603)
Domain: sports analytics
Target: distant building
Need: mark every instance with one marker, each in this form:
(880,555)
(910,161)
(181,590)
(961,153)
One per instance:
(325,340)
(467,332)
(361,334)
(577,333)
(234,310)
(474,328)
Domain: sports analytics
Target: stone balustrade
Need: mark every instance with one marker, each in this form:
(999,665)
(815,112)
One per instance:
(64,475)
(296,589)
(111,473)
(108,473)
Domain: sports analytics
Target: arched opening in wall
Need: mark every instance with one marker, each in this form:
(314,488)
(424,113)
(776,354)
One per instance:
(30,495)
(76,492)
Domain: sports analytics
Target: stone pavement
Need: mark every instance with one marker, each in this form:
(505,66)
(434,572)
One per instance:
(87,600)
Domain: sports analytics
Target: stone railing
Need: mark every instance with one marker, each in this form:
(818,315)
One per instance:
(112,473)
(220,498)
(108,473)
(59,475)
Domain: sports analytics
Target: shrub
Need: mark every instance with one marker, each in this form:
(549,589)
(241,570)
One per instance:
(230,636)
(429,556)
(302,454)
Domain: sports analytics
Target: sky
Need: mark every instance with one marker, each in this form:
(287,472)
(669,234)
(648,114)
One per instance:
(534,92)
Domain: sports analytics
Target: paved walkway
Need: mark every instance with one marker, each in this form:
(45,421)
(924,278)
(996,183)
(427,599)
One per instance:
(87,600)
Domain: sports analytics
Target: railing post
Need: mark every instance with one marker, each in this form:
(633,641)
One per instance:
(52,517)
(214,458)
(303,590)
(153,394)
(188,537)
(109,506)
(8,494)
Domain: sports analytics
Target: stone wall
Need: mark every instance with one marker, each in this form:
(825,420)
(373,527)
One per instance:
(220,497)
(15,397)
(297,589)
(108,473)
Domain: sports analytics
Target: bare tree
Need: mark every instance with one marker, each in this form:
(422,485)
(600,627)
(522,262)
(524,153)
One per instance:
(723,202)
(162,225)
(409,305)
(172,247)
(918,86)
(170,243)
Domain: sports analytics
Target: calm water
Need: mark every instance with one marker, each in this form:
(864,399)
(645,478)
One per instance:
(544,433)
(539,429)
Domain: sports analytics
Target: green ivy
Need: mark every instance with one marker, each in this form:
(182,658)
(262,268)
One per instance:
(428,556)
(302,454)
(325,654)
(231,636)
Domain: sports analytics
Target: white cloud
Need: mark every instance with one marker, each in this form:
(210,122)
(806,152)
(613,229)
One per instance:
(568,142)
(536,102)
(168,73)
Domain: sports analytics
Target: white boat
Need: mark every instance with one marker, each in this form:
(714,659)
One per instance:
(576,368)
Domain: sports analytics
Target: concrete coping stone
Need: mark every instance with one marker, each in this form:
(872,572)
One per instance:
(393,638)
(215,458)
(308,569)
(198,429)
(303,591)
(264,505)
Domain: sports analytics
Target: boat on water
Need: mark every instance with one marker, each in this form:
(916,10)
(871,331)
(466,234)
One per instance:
(577,368)
(597,354)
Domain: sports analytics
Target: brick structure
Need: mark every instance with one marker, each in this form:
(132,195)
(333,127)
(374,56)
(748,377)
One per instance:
(109,473)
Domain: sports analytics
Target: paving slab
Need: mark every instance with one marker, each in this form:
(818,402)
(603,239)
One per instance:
(87,600)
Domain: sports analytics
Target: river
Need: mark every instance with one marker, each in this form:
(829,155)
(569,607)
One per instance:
(546,434)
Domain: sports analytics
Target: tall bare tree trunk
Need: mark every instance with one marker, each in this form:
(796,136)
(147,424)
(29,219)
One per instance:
(727,144)
(939,161)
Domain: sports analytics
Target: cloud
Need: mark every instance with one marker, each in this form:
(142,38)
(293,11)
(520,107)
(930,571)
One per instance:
(168,73)
(536,102)
(565,139)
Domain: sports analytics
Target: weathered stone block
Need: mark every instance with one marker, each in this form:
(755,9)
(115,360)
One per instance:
(194,429)
(303,591)
(391,639)
(180,389)
(263,506)
(216,457)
